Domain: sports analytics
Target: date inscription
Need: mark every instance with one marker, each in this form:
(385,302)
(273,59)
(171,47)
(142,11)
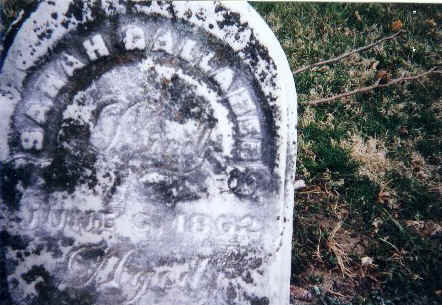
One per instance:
(227,228)
(57,219)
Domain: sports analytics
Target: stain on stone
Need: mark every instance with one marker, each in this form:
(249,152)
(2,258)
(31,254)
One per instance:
(10,265)
(236,263)
(13,181)
(263,76)
(38,249)
(67,241)
(200,15)
(218,166)
(49,294)
(4,286)
(113,188)
(230,19)
(52,246)
(255,52)
(131,4)
(231,292)
(171,11)
(254,300)
(19,256)
(76,10)
(174,189)
(45,35)
(74,162)
(16,242)
(34,273)
(93,254)
(247,277)
(225,56)
(65,23)
(254,262)
(183,105)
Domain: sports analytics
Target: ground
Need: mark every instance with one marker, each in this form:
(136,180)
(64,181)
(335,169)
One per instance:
(368,225)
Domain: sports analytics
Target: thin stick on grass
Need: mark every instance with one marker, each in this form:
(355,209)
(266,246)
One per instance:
(335,293)
(328,61)
(318,251)
(369,88)
(339,252)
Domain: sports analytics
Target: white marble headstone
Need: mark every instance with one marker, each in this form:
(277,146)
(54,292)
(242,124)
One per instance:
(147,156)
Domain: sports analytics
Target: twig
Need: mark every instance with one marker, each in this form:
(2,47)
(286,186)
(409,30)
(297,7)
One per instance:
(318,251)
(347,54)
(334,293)
(16,21)
(365,89)
(339,252)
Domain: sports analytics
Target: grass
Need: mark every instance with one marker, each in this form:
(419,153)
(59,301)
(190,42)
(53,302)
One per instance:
(372,165)
(368,225)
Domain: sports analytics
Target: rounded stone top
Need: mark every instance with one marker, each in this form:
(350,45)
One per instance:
(233,23)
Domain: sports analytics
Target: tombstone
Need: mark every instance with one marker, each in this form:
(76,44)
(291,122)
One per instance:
(2,30)
(147,156)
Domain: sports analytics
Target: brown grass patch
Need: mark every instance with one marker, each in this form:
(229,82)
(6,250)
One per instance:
(372,155)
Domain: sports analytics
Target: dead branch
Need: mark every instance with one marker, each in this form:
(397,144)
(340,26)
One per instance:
(347,54)
(375,86)
(339,252)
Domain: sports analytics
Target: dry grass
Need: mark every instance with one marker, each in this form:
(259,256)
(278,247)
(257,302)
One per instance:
(372,155)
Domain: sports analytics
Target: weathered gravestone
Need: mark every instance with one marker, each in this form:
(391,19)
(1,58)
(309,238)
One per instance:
(147,156)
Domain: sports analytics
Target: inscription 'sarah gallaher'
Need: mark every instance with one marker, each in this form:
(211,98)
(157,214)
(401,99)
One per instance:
(147,156)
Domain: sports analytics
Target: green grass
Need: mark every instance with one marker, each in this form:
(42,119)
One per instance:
(405,120)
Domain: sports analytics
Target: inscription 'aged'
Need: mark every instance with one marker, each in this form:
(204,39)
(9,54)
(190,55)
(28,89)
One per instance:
(147,156)
(115,269)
